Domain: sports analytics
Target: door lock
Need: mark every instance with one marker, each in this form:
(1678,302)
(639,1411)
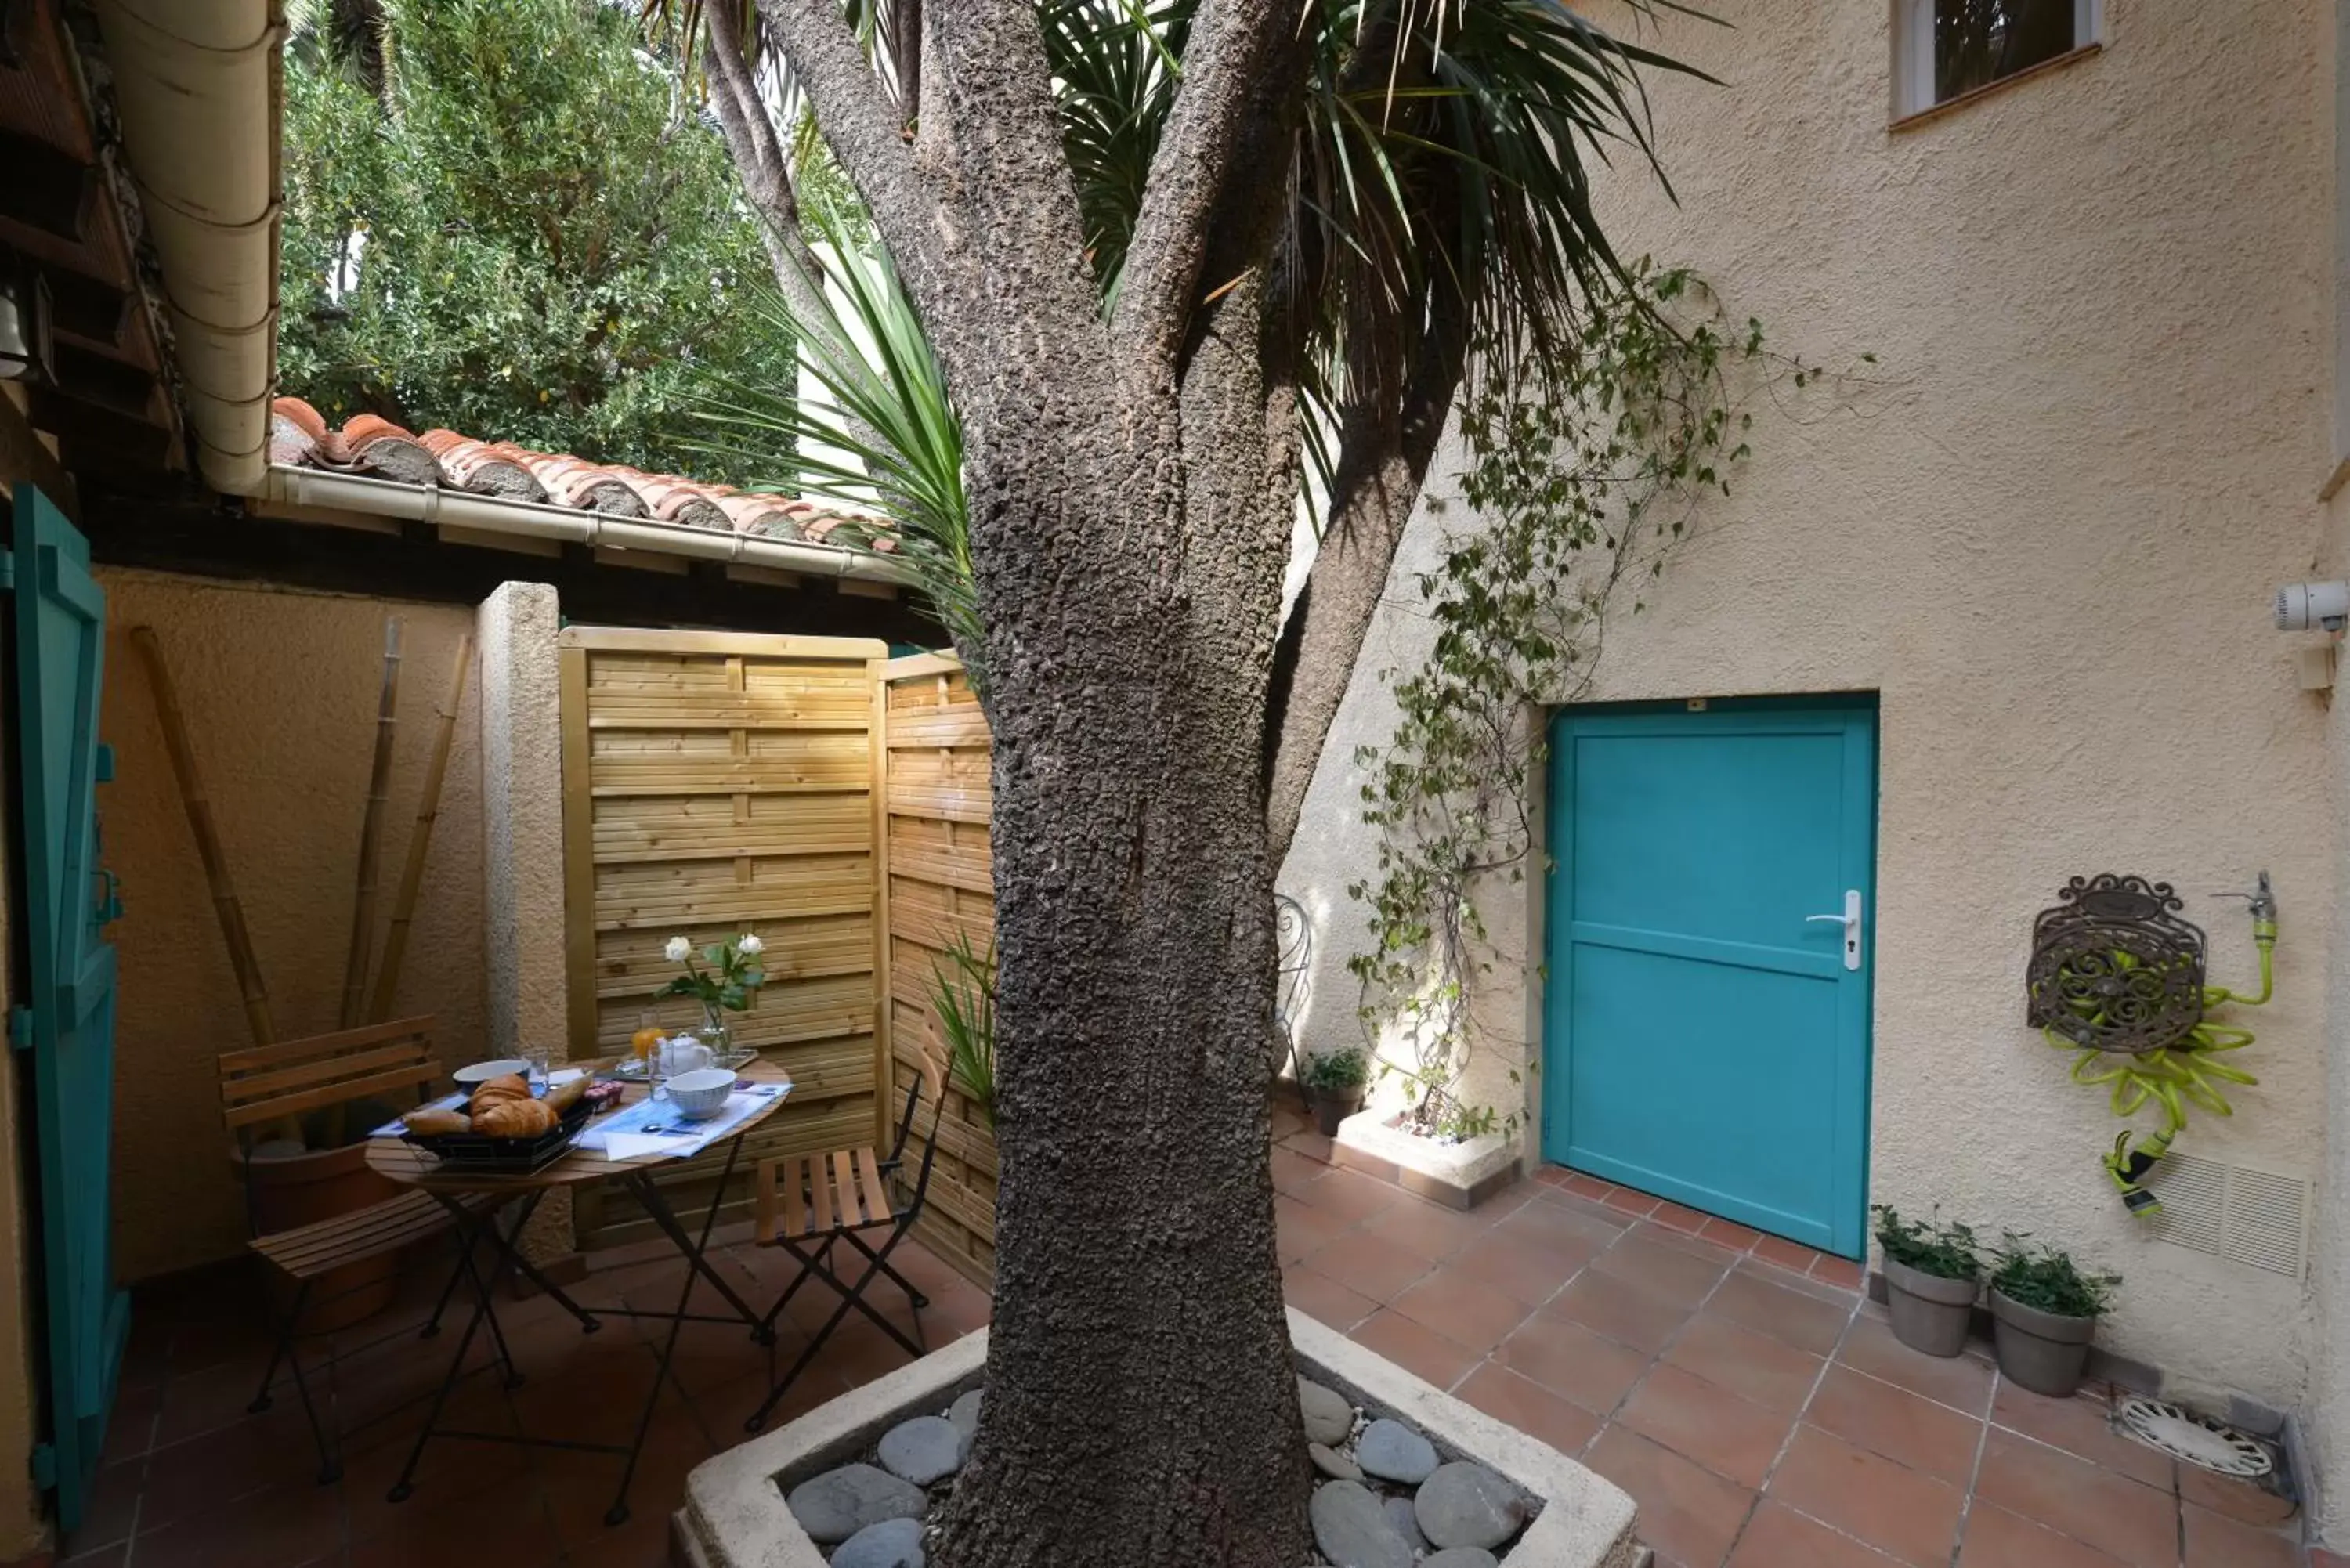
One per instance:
(1850,922)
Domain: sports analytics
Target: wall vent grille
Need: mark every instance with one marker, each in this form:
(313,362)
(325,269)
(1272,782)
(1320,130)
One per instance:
(2259,1218)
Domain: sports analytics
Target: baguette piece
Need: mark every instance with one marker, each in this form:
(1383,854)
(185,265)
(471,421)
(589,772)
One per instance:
(437,1124)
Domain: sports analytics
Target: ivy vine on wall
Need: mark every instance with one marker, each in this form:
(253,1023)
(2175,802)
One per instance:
(1582,479)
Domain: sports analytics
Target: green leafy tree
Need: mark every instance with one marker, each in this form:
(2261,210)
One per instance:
(530,235)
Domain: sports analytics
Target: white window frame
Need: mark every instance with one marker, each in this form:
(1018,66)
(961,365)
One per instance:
(1913,51)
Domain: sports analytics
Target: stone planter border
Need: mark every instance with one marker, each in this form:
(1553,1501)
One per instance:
(1457,1175)
(734,1515)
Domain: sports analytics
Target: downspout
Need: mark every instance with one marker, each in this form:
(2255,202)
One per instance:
(286,486)
(197,88)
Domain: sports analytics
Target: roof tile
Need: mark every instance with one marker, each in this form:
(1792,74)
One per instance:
(372,445)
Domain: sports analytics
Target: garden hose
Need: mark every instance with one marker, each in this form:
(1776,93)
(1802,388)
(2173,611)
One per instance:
(2190,1072)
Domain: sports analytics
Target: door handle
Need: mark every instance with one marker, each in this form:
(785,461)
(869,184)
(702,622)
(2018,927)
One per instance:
(1850,922)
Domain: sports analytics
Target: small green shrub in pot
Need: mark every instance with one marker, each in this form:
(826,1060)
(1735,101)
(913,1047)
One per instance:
(1932,1275)
(2044,1311)
(1335,1082)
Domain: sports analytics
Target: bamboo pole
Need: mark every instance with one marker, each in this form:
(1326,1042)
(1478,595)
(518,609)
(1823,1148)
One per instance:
(428,810)
(371,832)
(198,806)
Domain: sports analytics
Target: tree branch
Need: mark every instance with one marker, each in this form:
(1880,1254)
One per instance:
(1238,70)
(861,127)
(758,154)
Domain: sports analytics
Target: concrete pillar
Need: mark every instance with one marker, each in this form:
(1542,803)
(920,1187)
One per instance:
(521,840)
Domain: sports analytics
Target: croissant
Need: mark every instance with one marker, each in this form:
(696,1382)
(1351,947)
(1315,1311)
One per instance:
(510,1088)
(512,1118)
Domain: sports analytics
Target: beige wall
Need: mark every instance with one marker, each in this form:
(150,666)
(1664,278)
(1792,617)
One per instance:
(279,691)
(2101,301)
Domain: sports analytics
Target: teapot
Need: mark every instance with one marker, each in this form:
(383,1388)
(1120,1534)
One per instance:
(681,1054)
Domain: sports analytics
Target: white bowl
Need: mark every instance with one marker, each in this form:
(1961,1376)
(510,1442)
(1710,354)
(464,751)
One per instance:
(701,1094)
(480,1072)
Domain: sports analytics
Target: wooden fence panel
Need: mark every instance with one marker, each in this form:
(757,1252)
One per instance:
(937,877)
(717,784)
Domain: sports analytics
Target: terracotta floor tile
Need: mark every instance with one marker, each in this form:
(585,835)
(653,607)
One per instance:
(1751,1366)
(1310,1144)
(1429,1230)
(1324,1299)
(1698,1421)
(1417,1349)
(1729,1233)
(642,1543)
(1560,1227)
(2321,1558)
(1676,1217)
(1589,1187)
(1792,1256)
(296,1524)
(2081,1425)
(1666,1272)
(1995,1538)
(1292,1170)
(2237,1499)
(1523,1403)
(1620,1309)
(1963,1382)
(1901,1512)
(1684,1241)
(1897,1423)
(1352,1196)
(1631,1202)
(2215,1541)
(1572,1362)
(111,1511)
(1463,1307)
(1527,1271)
(1803,1320)
(1800,1283)
(1362,1261)
(2073,1497)
(1301,1227)
(1588,1206)
(104,1557)
(1687,1512)
(1841,1272)
(1778,1537)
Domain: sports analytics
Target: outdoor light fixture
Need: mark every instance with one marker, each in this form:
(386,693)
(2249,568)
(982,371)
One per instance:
(24,345)
(2313,607)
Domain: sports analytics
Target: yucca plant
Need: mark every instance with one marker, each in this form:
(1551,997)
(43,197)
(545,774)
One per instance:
(962,992)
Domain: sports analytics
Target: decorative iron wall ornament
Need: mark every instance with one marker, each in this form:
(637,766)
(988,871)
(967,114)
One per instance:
(2114,967)
(1293,936)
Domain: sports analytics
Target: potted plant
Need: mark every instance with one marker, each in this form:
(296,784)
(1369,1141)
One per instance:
(1932,1275)
(1335,1082)
(2044,1313)
(729,983)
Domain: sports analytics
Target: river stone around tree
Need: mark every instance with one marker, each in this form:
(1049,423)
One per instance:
(1393,1451)
(1333,1463)
(892,1543)
(1451,1557)
(924,1451)
(839,1504)
(1352,1530)
(1465,1504)
(964,1414)
(1406,1521)
(1329,1417)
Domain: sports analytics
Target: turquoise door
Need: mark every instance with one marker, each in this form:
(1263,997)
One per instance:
(68,1020)
(1706,1016)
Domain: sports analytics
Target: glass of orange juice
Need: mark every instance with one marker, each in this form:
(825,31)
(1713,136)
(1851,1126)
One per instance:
(648,1036)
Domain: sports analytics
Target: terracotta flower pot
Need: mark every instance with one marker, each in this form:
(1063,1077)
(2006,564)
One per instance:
(2040,1350)
(1332,1107)
(303,1188)
(1930,1313)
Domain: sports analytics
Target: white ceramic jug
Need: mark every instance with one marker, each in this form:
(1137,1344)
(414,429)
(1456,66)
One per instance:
(681,1054)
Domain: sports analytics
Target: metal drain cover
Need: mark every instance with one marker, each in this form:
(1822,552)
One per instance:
(2198,1439)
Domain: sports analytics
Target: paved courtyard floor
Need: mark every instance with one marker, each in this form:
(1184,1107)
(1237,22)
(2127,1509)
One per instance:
(1741,1388)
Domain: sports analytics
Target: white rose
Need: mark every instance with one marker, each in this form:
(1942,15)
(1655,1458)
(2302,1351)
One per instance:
(751,944)
(678,951)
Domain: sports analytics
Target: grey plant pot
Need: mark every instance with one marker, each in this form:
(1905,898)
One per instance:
(2040,1350)
(1332,1107)
(1930,1313)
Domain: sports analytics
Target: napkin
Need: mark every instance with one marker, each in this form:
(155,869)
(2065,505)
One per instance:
(626,1145)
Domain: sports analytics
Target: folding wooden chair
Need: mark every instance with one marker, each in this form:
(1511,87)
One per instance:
(810,1203)
(283,1083)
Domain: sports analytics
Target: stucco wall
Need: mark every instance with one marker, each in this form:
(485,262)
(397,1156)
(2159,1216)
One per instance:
(2101,301)
(279,690)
